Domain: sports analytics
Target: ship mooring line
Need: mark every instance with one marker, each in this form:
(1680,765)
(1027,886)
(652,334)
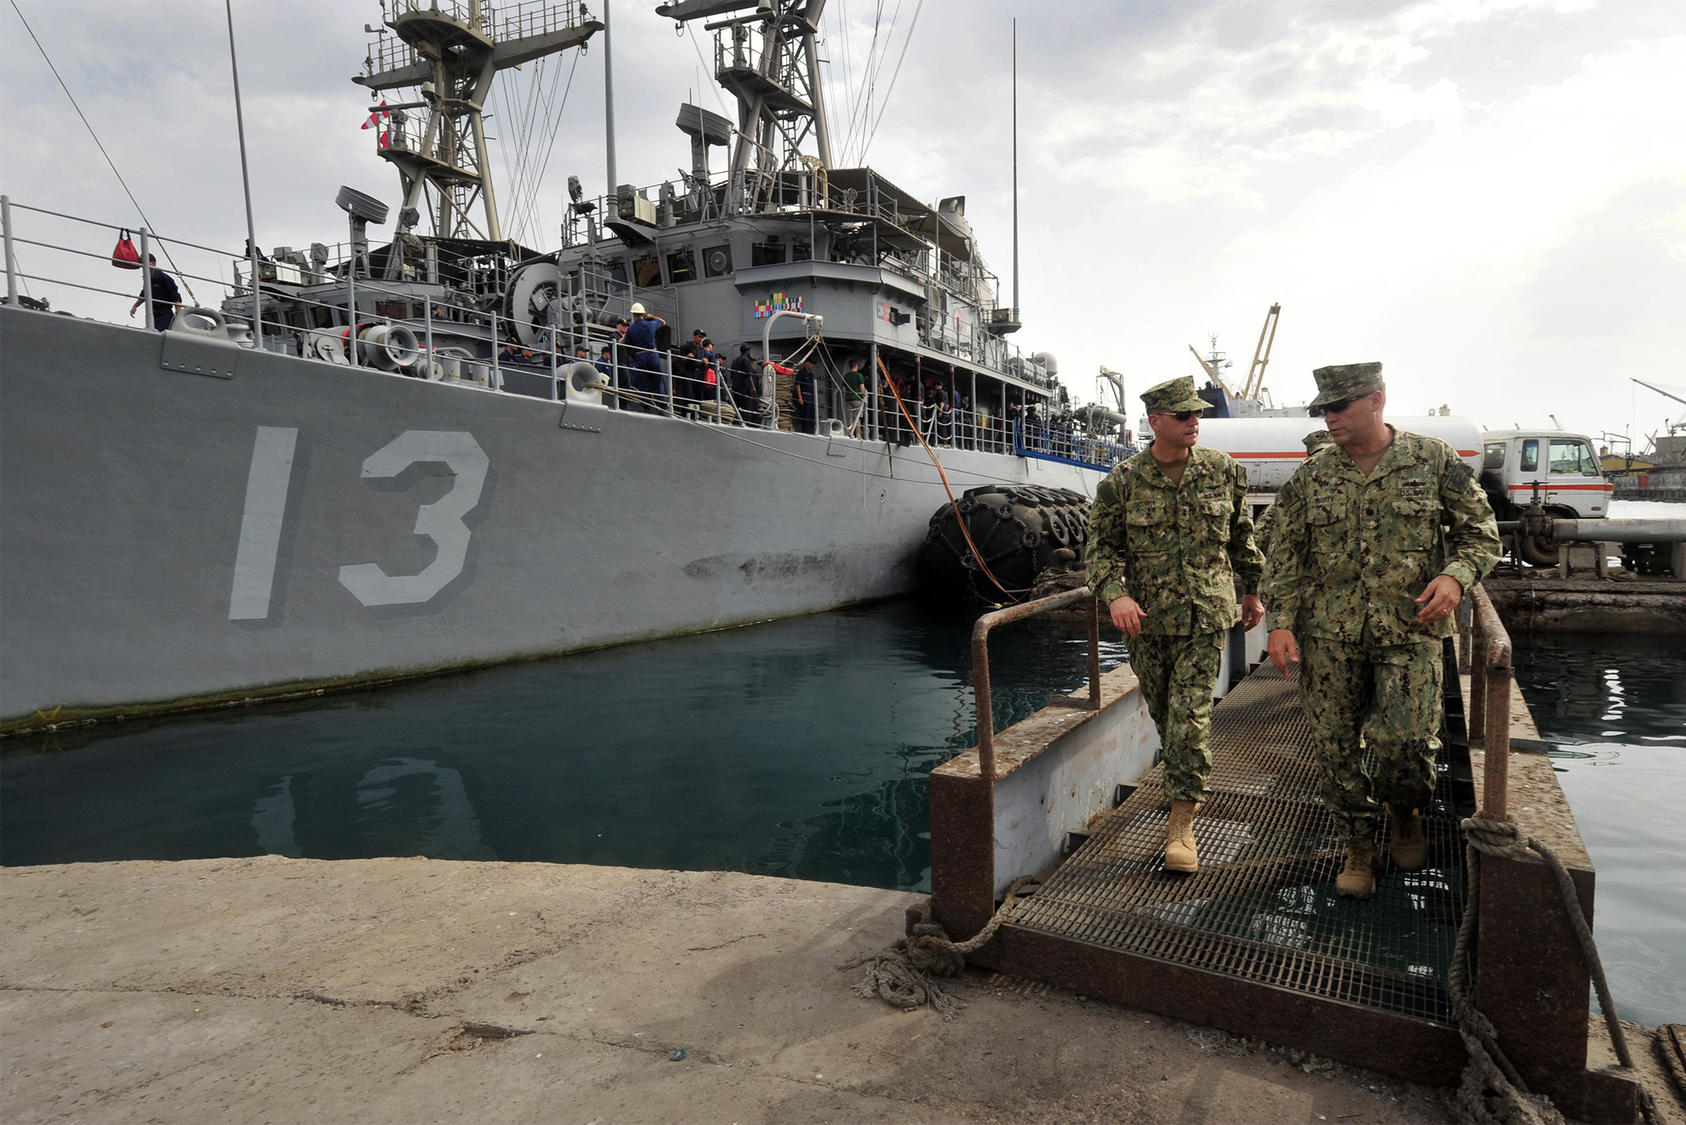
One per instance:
(1488,1069)
(903,976)
(943,476)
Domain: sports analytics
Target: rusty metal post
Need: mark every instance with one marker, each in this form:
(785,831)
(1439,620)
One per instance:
(1493,656)
(1476,719)
(1496,775)
(980,690)
(1094,655)
(1466,621)
(980,663)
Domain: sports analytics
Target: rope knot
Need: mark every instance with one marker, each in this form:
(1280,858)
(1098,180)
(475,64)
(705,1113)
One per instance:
(1494,837)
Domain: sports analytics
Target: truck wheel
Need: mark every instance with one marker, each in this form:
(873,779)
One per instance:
(1536,551)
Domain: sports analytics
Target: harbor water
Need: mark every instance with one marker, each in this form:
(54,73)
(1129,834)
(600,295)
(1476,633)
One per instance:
(1613,709)
(797,748)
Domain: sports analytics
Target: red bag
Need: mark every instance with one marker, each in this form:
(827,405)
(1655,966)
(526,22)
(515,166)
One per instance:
(124,255)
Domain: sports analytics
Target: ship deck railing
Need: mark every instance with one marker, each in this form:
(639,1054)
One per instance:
(305,307)
(513,19)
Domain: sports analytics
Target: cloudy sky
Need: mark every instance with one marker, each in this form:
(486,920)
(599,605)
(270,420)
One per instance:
(1489,196)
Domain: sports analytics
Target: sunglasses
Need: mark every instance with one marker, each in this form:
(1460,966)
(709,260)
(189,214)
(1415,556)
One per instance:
(1181,415)
(1337,407)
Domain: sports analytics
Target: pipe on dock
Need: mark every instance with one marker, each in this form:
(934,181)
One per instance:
(1608,531)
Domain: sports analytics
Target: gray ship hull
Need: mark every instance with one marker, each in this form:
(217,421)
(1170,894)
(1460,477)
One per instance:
(185,520)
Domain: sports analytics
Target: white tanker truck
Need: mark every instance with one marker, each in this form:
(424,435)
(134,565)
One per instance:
(1531,477)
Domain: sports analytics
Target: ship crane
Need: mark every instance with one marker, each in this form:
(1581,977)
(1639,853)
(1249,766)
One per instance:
(1253,390)
(1659,390)
(1261,354)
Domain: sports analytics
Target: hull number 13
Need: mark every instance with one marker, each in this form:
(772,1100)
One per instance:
(442,522)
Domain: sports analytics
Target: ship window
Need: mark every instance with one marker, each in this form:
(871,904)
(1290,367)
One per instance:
(1495,455)
(1531,456)
(617,271)
(1573,457)
(717,261)
(646,272)
(323,316)
(801,252)
(681,266)
(766,254)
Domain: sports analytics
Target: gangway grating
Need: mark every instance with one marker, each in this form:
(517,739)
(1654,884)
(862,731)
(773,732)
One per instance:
(1263,906)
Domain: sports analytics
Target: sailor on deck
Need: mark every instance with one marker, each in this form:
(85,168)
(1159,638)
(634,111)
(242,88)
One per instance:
(646,375)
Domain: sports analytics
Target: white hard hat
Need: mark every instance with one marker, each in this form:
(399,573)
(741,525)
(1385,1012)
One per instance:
(637,309)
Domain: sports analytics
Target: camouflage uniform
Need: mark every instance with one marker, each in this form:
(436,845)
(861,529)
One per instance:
(1266,531)
(1349,555)
(1176,548)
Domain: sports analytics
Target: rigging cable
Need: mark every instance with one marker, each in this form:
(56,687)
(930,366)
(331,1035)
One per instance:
(554,112)
(864,90)
(959,521)
(138,209)
(714,86)
(906,40)
(831,79)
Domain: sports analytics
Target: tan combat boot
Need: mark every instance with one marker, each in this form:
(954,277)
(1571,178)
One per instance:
(1358,879)
(1180,853)
(1407,844)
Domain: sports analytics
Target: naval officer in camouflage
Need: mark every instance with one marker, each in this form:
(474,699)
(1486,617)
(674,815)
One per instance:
(1168,535)
(1265,531)
(1358,567)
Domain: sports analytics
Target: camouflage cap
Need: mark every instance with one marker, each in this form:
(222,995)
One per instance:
(1173,395)
(1346,380)
(1316,440)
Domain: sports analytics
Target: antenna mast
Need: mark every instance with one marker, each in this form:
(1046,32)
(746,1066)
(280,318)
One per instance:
(1016,170)
(451,51)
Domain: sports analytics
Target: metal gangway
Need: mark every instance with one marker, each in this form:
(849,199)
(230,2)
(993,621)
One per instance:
(1257,942)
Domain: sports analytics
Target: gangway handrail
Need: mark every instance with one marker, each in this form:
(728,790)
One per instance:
(980,664)
(1489,701)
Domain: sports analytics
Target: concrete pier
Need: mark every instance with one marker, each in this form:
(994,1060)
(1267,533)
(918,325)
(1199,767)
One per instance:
(408,990)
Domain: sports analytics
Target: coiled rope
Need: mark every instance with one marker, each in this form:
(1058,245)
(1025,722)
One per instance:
(1491,1091)
(904,976)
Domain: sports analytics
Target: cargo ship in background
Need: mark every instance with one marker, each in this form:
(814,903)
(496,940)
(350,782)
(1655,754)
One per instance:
(1659,473)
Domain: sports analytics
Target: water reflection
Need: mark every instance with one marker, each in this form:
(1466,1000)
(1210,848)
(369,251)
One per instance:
(795,748)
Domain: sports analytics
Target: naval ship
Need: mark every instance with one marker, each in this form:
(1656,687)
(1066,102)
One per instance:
(381,458)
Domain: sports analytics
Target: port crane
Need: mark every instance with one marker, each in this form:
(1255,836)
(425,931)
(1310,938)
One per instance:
(1253,390)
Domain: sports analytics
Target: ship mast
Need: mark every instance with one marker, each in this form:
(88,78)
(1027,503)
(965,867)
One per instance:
(451,51)
(768,59)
